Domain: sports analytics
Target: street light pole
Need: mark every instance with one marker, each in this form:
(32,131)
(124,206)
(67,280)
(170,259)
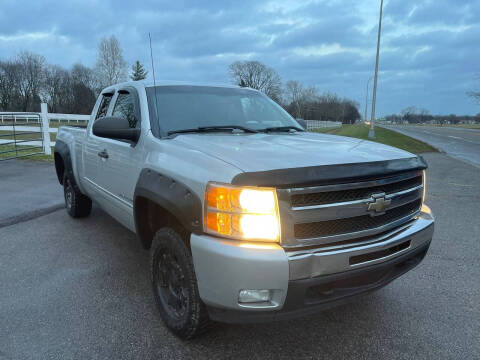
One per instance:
(371,133)
(366,99)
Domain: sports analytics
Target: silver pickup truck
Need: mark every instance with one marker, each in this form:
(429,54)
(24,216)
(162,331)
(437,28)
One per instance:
(248,217)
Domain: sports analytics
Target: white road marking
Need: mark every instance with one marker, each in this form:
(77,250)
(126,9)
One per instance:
(464,185)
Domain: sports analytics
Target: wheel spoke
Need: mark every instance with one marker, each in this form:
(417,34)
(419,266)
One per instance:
(171,283)
(162,275)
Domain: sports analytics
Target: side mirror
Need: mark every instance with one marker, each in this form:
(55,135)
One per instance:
(112,127)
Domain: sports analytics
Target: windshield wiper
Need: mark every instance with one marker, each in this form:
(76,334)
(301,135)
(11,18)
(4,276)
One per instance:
(282,128)
(212,128)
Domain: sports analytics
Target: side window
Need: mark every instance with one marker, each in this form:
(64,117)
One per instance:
(102,109)
(124,108)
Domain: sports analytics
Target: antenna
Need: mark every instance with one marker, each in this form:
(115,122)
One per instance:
(154,83)
(151,57)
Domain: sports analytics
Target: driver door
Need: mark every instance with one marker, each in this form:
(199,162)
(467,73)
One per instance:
(122,164)
(92,146)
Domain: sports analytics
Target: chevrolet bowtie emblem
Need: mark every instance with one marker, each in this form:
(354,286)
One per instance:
(378,204)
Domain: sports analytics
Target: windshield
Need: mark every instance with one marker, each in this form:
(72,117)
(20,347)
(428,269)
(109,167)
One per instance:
(189,107)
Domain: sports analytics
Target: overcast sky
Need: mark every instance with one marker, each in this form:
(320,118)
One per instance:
(430,50)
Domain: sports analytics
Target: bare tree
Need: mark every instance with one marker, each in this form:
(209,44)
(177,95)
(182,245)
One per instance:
(111,68)
(350,112)
(31,77)
(82,74)
(409,113)
(26,80)
(299,97)
(294,93)
(9,85)
(423,114)
(85,89)
(257,76)
(57,88)
(307,103)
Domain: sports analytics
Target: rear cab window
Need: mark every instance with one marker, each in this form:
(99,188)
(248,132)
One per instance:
(125,108)
(104,104)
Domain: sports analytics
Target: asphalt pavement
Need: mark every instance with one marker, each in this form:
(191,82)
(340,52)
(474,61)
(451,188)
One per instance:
(28,189)
(79,289)
(460,143)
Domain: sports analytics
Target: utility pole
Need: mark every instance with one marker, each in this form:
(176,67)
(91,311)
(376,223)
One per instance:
(366,99)
(371,133)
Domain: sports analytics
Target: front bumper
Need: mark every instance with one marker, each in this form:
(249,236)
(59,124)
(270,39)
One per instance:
(302,282)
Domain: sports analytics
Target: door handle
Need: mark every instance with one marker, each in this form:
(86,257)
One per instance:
(103,154)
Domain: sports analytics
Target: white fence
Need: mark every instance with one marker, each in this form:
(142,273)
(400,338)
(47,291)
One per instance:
(319,124)
(29,122)
(24,122)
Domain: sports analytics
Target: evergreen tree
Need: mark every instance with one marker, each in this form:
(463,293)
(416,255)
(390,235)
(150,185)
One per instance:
(138,72)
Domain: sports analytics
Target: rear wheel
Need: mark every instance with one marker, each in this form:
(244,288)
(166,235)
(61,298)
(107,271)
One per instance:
(77,204)
(175,285)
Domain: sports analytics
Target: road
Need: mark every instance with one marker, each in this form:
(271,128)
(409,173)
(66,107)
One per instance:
(463,144)
(79,289)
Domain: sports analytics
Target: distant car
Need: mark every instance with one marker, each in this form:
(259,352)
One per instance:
(248,217)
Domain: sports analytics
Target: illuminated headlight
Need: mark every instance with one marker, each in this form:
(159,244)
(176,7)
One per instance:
(244,213)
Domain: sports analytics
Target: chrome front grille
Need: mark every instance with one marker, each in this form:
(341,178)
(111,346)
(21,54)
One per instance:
(333,214)
(353,224)
(328,197)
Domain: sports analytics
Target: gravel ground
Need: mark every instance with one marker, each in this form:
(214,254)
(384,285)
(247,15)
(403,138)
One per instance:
(79,289)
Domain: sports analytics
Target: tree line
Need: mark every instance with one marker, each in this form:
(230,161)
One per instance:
(415,115)
(27,80)
(300,101)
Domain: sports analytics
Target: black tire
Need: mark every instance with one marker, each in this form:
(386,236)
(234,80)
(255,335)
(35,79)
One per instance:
(175,285)
(77,204)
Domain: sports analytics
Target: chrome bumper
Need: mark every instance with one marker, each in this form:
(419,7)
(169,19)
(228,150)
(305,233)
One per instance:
(312,263)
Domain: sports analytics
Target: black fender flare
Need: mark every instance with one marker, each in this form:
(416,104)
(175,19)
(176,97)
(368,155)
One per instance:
(173,196)
(62,149)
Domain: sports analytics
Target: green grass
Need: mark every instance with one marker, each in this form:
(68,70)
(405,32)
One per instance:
(383,136)
(8,135)
(327,130)
(467,126)
(38,157)
(19,135)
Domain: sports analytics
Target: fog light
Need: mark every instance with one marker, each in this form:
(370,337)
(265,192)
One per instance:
(254,296)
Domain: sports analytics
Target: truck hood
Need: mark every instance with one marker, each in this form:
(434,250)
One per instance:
(263,152)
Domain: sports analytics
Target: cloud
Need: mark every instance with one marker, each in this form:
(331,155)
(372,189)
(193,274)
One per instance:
(429,51)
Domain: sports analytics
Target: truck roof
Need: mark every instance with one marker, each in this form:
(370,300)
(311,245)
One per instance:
(146,84)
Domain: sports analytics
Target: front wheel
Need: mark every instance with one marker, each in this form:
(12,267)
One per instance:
(77,204)
(175,285)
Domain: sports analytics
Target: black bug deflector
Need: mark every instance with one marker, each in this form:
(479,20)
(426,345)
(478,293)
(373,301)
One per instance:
(328,174)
